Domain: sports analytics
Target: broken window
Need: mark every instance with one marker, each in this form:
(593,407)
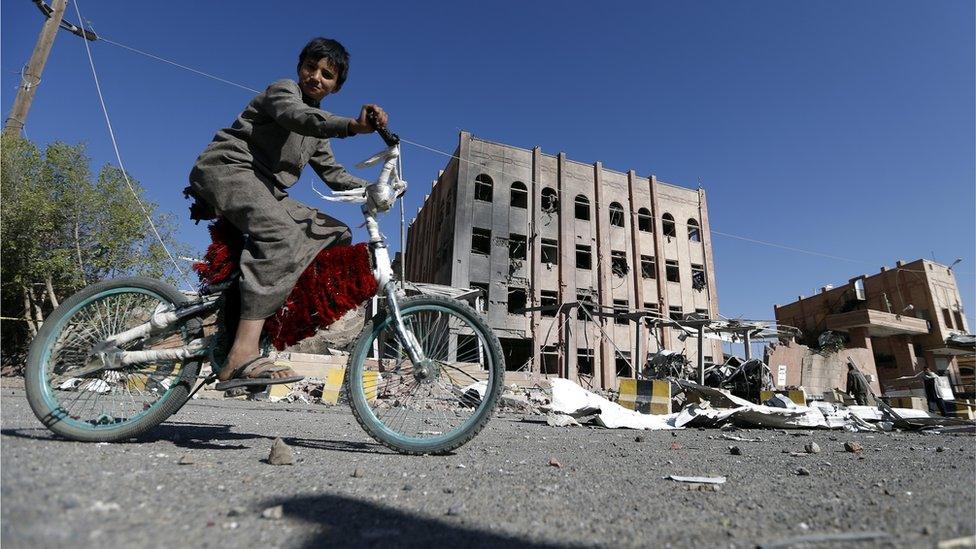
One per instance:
(520,195)
(550,360)
(618,263)
(549,299)
(482,188)
(644,220)
(480,302)
(947,317)
(701,313)
(652,308)
(584,362)
(616,214)
(582,207)
(480,241)
(694,231)
(550,201)
(516,351)
(959,324)
(620,308)
(698,279)
(671,270)
(648,266)
(675,312)
(516,301)
(623,364)
(586,307)
(516,246)
(583,260)
(667,220)
(550,251)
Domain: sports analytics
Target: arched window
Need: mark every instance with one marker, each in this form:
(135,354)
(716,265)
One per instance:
(616,214)
(550,201)
(582,207)
(668,221)
(520,195)
(644,220)
(694,231)
(482,188)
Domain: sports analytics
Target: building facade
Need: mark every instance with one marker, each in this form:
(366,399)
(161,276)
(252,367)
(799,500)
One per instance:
(905,316)
(535,230)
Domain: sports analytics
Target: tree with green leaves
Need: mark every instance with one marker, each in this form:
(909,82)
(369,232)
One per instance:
(62,229)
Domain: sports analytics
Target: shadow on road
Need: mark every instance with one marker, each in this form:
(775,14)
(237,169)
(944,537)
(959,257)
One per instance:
(354,523)
(206,436)
(338,445)
(199,436)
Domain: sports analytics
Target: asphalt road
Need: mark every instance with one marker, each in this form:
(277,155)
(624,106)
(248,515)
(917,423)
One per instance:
(499,490)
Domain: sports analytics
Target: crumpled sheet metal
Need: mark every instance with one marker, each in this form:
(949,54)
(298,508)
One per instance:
(718,408)
(570,399)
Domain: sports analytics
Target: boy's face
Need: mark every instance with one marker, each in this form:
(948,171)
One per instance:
(317,78)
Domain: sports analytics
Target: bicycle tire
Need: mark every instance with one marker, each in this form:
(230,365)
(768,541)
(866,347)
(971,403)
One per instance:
(358,395)
(40,394)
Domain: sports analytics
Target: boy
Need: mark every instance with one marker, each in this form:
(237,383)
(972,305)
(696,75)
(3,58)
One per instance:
(243,174)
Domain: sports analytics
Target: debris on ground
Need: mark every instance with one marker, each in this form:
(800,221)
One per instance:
(853,447)
(697,480)
(186,459)
(273,513)
(812,448)
(555,463)
(281,453)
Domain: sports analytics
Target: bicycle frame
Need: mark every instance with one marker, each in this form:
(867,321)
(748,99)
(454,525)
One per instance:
(376,198)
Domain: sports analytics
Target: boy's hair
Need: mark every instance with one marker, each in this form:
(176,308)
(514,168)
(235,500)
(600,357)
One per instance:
(330,49)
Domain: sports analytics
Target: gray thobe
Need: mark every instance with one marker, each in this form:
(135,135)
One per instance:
(244,173)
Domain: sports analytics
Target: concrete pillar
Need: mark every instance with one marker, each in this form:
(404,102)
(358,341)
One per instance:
(905,360)
(860,338)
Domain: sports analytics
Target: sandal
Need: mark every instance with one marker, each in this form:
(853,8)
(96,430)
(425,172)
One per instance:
(257,372)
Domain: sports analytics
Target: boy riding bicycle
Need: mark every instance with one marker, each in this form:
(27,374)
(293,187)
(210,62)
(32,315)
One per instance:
(244,174)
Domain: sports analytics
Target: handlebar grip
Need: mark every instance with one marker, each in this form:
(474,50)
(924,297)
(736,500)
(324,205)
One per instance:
(389,138)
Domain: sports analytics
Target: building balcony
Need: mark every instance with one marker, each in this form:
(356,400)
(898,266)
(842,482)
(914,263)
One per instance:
(878,323)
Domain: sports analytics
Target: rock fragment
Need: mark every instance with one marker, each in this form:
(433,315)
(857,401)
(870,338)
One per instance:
(812,448)
(735,450)
(555,463)
(359,472)
(802,471)
(281,453)
(853,447)
(186,459)
(273,513)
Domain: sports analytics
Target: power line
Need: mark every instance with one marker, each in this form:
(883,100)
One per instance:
(118,156)
(449,155)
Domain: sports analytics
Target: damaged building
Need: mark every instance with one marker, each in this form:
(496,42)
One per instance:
(896,321)
(532,230)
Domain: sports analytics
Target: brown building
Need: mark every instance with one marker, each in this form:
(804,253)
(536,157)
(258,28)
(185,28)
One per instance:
(530,229)
(904,316)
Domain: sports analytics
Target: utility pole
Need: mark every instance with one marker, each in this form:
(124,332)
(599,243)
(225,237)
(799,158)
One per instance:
(32,74)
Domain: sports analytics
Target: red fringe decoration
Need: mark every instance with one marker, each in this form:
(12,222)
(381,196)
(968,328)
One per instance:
(338,280)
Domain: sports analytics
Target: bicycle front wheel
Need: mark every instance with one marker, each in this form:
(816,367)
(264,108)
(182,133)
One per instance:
(442,403)
(109,404)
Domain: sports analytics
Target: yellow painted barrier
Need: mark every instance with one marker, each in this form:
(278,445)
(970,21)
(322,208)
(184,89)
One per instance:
(645,396)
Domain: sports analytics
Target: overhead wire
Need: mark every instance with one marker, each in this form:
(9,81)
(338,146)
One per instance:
(118,156)
(503,172)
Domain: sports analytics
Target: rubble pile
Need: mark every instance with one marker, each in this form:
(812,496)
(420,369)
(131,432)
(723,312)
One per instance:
(709,407)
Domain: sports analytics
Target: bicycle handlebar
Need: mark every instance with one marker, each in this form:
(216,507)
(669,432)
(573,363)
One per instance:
(389,137)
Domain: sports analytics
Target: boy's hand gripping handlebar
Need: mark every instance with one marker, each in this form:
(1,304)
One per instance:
(380,196)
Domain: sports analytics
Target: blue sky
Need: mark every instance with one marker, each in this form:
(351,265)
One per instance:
(845,128)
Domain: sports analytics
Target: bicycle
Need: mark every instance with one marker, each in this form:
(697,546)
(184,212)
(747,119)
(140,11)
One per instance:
(121,356)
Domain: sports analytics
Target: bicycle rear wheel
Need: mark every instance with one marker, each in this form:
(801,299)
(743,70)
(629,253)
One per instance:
(108,405)
(442,404)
